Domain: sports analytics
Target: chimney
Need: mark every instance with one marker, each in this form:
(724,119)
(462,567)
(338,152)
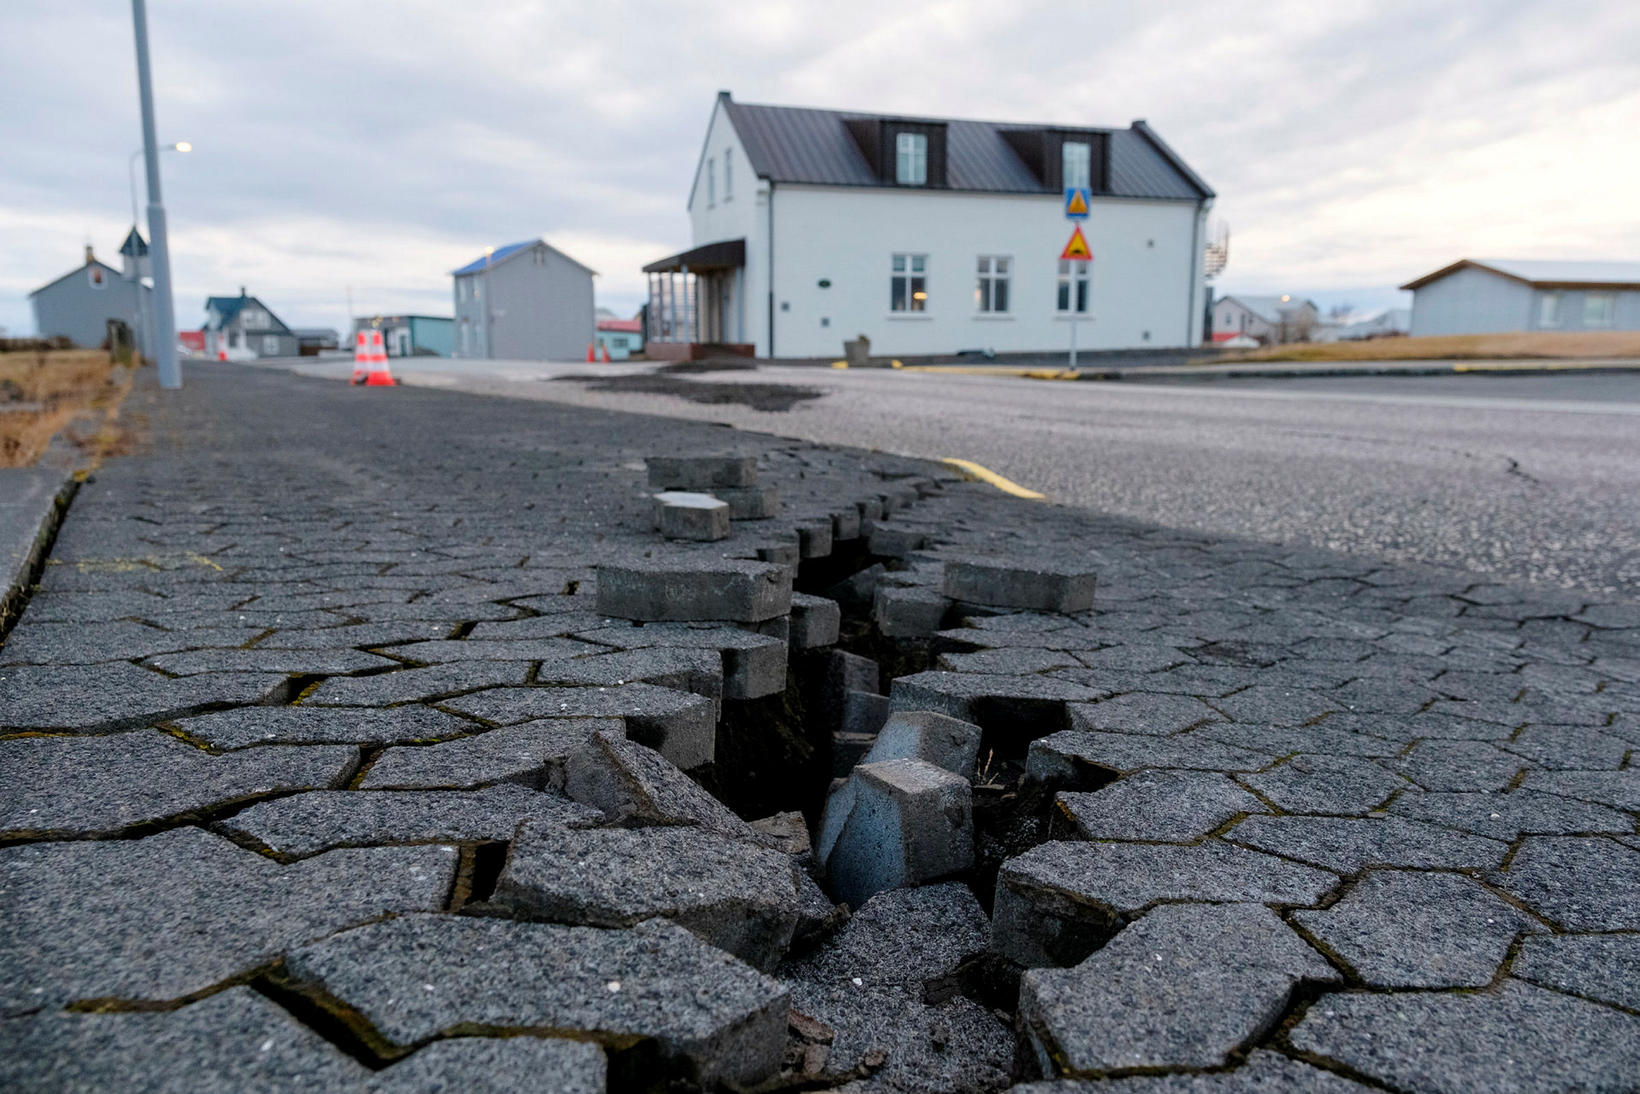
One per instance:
(89,257)
(242,290)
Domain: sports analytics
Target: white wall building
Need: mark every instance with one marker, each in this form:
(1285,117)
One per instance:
(929,236)
(1496,295)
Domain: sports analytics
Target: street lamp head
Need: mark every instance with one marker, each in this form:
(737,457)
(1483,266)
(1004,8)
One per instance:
(488,251)
(183,146)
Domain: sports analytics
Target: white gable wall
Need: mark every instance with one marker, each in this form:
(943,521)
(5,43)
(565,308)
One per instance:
(742,214)
(1145,289)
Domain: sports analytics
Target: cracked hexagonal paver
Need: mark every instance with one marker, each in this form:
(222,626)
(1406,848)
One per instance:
(1581,883)
(532,754)
(1602,967)
(161,918)
(247,726)
(1158,806)
(1311,783)
(1347,844)
(117,695)
(73,787)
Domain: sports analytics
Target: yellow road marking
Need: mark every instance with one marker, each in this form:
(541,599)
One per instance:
(1542,366)
(999,370)
(986,475)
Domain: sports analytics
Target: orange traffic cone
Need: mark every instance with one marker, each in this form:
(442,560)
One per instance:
(377,373)
(606,353)
(590,357)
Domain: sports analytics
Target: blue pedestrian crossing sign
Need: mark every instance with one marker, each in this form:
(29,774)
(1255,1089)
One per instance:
(1076,203)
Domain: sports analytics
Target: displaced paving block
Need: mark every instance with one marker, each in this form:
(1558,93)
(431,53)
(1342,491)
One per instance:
(1059,902)
(694,670)
(681,726)
(753,663)
(816,622)
(695,588)
(908,611)
(845,672)
(700,472)
(634,785)
(700,517)
(894,540)
(236,1040)
(923,735)
(864,713)
(1076,756)
(118,695)
(1602,967)
(1403,929)
(125,919)
(739,897)
(786,832)
(305,725)
(1043,585)
(893,824)
(706,1011)
(912,938)
(751,503)
(1185,986)
(74,787)
(305,824)
(1521,1038)
(1034,703)
(497,1065)
(847,750)
(532,754)
(1156,806)
(417,685)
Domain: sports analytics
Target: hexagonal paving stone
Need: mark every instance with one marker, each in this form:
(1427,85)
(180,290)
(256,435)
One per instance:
(1347,844)
(1602,967)
(1310,783)
(1581,883)
(533,754)
(1160,806)
(1401,929)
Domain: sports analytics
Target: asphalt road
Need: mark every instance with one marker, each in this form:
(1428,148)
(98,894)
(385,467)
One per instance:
(1527,478)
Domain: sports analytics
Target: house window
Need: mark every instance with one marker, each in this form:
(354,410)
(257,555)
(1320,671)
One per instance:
(908,288)
(1549,309)
(1073,286)
(538,257)
(1599,308)
(991,292)
(1075,164)
(728,174)
(711,183)
(911,159)
(233,339)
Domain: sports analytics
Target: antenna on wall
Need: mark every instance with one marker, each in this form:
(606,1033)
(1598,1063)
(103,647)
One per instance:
(1217,255)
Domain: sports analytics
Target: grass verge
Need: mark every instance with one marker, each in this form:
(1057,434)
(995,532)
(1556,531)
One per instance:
(1525,344)
(75,392)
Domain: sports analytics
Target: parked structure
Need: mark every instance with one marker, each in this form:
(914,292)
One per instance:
(527,301)
(412,335)
(1270,319)
(1495,295)
(929,235)
(92,300)
(242,328)
(621,337)
(312,341)
(1382,323)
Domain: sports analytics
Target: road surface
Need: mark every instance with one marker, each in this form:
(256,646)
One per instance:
(1529,478)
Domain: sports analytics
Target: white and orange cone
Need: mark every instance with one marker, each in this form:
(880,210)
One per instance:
(370,361)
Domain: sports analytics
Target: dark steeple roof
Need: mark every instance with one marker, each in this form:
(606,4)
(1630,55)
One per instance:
(134,245)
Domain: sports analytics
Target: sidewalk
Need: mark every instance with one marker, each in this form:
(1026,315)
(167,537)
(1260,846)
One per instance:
(341,748)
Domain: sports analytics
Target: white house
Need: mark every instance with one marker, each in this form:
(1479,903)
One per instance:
(1494,295)
(928,235)
(1284,318)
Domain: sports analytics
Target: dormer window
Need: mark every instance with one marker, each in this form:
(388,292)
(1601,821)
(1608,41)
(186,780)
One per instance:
(1076,165)
(911,159)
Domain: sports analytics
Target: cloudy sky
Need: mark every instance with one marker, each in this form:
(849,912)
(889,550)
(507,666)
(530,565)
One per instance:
(377,144)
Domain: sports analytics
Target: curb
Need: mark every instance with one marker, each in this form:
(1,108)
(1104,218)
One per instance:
(32,503)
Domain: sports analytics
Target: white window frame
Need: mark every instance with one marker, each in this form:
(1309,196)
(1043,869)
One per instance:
(1082,175)
(1071,285)
(711,182)
(1549,305)
(728,174)
(1603,316)
(993,290)
(908,283)
(911,159)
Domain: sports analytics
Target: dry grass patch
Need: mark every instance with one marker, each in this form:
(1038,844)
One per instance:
(1528,344)
(44,392)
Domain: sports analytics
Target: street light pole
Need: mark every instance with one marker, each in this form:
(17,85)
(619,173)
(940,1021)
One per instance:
(131,171)
(165,320)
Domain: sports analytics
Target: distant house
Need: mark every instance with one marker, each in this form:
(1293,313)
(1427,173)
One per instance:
(1495,295)
(1284,318)
(621,337)
(241,328)
(1382,323)
(312,341)
(91,300)
(1234,339)
(412,335)
(526,301)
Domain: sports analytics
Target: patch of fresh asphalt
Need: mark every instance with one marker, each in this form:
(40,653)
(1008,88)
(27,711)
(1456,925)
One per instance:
(1524,478)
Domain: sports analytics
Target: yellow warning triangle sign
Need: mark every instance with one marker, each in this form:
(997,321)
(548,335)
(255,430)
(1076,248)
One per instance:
(1077,206)
(1077,249)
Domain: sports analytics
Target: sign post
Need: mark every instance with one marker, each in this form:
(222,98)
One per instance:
(1076,209)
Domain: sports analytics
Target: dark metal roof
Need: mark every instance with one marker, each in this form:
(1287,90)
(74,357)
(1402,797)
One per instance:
(727,254)
(802,145)
(134,245)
